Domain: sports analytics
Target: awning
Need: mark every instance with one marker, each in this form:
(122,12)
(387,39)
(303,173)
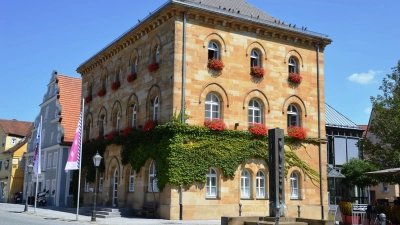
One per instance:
(392,171)
(332,173)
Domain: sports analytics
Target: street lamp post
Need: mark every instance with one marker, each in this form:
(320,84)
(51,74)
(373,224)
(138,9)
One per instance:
(96,160)
(30,168)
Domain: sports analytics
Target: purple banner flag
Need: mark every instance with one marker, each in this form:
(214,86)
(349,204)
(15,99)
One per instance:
(37,155)
(74,156)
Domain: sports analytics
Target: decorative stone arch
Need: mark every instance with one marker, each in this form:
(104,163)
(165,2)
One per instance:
(218,38)
(117,71)
(217,88)
(256,45)
(256,93)
(112,165)
(154,44)
(294,99)
(154,91)
(296,54)
(102,111)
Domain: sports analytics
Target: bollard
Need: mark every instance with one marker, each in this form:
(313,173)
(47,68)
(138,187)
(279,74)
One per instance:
(382,219)
(240,209)
(298,211)
(277,215)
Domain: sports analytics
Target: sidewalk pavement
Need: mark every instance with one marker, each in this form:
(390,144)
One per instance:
(69,215)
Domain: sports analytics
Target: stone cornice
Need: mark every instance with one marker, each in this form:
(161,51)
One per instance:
(170,10)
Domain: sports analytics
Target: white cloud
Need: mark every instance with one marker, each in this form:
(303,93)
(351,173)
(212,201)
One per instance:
(367,110)
(364,78)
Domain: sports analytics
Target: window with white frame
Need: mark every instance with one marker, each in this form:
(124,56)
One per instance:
(212,105)
(152,185)
(53,187)
(55,159)
(254,58)
(245,184)
(47,113)
(13,141)
(385,187)
(292,65)
(293,116)
(47,185)
(157,54)
(51,137)
(42,138)
(131,180)
(104,126)
(134,116)
(49,157)
(1,164)
(255,111)
(117,122)
(3,142)
(211,183)
(135,68)
(294,185)
(42,163)
(101,180)
(155,109)
(213,50)
(260,185)
(90,130)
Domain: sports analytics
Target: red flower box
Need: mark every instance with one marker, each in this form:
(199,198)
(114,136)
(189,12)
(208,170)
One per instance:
(115,85)
(257,71)
(101,92)
(295,78)
(100,137)
(297,132)
(149,125)
(88,98)
(215,124)
(131,77)
(215,64)
(258,129)
(127,130)
(153,67)
(112,134)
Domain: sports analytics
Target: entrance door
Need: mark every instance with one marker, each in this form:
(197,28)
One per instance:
(115,188)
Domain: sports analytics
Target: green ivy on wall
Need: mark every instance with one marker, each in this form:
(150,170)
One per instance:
(184,153)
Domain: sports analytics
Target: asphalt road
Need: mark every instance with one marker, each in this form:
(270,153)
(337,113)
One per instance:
(18,217)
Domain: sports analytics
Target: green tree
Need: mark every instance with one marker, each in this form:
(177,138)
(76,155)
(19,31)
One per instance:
(355,170)
(385,123)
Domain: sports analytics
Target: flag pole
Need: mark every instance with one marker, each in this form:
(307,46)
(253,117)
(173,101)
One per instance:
(38,166)
(80,160)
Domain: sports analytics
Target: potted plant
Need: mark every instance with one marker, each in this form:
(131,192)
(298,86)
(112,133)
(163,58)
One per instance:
(153,67)
(258,129)
(295,78)
(215,124)
(345,210)
(149,125)
(115,85)
(101,92)
(127,130)
(131,77)
(215,64)
(88,98)
(257,71)
(297,132)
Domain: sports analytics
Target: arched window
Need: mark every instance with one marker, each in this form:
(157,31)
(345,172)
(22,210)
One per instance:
(245,184)
(255,111)
(135,67)
(118,74)
(260,184)
(211,184)
(294,185)
(131,180)
(254,58)
(212,107)
(213,51)
(152,185)
(102,125)
(88,130)
(90,89)
(103,83)
(117,121)
(157,54)
(292,116)
(134,116)
(292,65)
(155,109)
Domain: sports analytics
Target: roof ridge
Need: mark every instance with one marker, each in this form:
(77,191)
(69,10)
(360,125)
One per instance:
(354,124)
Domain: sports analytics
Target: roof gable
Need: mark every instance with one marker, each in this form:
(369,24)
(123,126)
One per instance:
(15,127)
(333,118)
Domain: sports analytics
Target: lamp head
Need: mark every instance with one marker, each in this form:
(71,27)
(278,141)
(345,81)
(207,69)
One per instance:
(96,159)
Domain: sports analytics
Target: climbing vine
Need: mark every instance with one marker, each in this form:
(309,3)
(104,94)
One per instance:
(184,153)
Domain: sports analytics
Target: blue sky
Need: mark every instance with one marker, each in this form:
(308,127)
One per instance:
(39,36)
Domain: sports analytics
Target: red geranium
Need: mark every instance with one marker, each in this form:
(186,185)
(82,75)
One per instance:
(153,67)
(112,134)
(101,92)
(88,98)
(100,137)
(257,71)
(149,125)
(215,64)
(215,124)
(115,85)
(258,129)
(127,130)
(297,132)
(131,77)
(295,78)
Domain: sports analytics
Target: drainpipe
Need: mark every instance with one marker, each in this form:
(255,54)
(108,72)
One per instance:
(183,98)
(319,137)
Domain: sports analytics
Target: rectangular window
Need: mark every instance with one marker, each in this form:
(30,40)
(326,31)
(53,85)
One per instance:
(13,141)
(47,185)
(71,185)
(1,164)
(47,113)
(385,187)
(53,187)
(42,163)
(3,143)
(49,156)
(55,159)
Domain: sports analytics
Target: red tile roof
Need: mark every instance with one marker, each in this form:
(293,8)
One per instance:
(15,127)
(70,101)
(365,128)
